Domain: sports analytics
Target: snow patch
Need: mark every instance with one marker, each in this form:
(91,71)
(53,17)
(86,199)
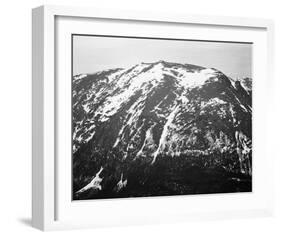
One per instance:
(148,140)
(86,107)
(94,184)
(121,184)
(78,77)
(191,79)
(162,141)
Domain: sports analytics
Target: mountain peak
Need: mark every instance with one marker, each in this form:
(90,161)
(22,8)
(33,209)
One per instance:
(155,113)
(119,100)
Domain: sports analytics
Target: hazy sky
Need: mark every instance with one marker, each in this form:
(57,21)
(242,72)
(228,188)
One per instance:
(92,54)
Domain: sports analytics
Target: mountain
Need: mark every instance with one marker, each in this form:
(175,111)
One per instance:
(140,117)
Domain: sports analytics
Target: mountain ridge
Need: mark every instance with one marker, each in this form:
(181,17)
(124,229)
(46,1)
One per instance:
(168,77)
(160,109)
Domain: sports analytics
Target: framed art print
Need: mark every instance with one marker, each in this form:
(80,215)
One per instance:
(138,116)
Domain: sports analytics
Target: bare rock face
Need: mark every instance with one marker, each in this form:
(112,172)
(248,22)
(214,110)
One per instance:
(157,110)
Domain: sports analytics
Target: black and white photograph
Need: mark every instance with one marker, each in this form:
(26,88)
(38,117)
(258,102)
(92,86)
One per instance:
(160,117)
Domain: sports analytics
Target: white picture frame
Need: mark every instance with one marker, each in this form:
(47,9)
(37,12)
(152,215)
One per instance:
(45,170)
